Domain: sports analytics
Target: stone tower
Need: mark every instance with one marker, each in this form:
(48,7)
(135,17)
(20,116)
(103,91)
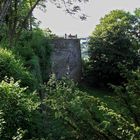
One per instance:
(66,58)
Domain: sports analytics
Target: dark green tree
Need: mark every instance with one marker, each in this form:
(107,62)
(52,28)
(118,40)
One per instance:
(114,42)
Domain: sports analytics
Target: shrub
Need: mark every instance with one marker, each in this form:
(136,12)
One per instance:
(18,110)
(129,95)
(11,66)
(73,114)
(34,49)
(70,113)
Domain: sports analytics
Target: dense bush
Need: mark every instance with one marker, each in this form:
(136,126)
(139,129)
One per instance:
(70,113)
(11,66)
(19,116)
(114,42)
(34,48)
(73,114)
(129,95)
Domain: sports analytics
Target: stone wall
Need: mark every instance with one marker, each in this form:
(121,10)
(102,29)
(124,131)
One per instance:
(66,58)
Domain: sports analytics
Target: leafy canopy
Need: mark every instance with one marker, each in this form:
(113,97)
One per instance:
(113,43)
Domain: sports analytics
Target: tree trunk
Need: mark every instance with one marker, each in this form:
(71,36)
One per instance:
(21,26)
(4,7)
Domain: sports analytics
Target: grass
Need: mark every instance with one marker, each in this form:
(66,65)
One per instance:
(108,97)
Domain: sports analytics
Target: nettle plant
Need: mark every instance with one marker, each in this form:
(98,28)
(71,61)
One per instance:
(19,111)
(74,114)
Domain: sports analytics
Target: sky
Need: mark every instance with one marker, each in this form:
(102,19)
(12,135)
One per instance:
(59,22)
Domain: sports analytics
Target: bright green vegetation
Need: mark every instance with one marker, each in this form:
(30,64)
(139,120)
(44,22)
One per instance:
(34,48)
(36,107)
(76,111)
(18,108)
(68,112)
(11,66)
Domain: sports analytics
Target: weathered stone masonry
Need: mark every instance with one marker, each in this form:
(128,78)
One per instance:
(66,58)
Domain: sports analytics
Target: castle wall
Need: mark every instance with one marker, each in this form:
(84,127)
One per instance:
(66,58)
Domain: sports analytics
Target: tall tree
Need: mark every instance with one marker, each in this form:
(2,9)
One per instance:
(113,43)
(16,14)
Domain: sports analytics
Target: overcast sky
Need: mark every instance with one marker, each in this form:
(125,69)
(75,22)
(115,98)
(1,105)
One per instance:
(60,22)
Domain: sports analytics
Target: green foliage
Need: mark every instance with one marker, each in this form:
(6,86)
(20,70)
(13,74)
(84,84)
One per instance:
(114,42)
(18,111)
(34,49)
(73,114)
(129,95)
(11,66)
(70,113)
